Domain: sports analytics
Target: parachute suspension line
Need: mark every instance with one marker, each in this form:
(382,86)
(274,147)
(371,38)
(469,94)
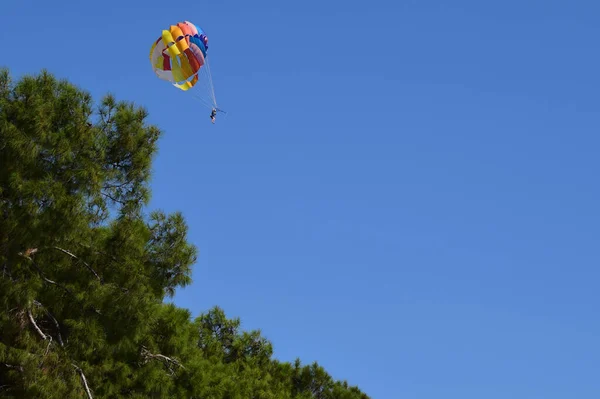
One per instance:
(203,101)
(212,86)
(205,92)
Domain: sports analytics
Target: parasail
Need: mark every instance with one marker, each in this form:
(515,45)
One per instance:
(180,56)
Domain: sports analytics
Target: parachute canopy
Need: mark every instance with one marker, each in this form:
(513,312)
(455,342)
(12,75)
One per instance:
(180,56)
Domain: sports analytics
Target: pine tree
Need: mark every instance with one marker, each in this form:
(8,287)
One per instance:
(85,271)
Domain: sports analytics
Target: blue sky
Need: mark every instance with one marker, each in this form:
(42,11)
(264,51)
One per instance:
(404,191)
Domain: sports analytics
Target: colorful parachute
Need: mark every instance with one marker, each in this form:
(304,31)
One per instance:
(179,56)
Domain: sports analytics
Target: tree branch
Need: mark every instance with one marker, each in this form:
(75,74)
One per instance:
(6,272)
(84,380)
(48,347)
(46,279)
(60,340)
(29,252)
(112,198)
(82,261)
(39,331)
(109,186)
(167,360)
(12,366)
(41,273)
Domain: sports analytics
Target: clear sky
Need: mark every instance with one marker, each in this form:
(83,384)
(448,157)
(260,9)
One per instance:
(405,191)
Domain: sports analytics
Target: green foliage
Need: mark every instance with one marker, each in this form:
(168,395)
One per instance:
(84,272)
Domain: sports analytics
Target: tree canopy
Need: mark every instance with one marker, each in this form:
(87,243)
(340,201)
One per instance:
(86,268)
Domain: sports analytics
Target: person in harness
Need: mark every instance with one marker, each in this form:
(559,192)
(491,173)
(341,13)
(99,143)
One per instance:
(213,115)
